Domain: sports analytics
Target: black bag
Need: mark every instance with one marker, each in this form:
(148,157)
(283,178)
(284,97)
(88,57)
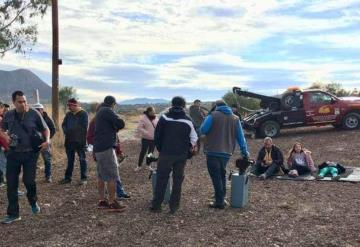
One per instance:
(36,138)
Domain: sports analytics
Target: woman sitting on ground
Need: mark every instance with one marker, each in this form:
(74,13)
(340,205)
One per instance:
(300,161)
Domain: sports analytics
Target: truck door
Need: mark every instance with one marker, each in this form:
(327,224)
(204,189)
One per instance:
(319,108)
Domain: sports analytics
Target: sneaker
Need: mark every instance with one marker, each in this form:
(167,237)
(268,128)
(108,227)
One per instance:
(83,182)
(20,193)
(173,210)
(138,168)
(65,181)
(262,176)
(336,178)
(103,204)
(48,180)
(124,197)
(116,207)
(35,208)
(10,219)
(216,206)
(155,209)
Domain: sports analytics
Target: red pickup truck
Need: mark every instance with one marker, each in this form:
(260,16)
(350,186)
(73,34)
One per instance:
(298,108)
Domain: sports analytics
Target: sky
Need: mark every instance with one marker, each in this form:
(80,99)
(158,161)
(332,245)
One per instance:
(196,48)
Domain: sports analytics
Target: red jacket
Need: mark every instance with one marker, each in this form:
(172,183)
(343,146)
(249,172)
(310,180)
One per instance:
(3,142)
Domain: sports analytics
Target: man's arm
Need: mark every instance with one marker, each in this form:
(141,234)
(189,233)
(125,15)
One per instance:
(64,123)
(51,126)
(193,136)
(85,120)
(280,158)
(260,157)
(159,134)
(116,120)
(241,140)
(206,125)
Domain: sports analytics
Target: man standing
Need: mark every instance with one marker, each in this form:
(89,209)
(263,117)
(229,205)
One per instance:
(197,115)
(222,129)
(175,137)
(23,127)
(107,124)
(46,154)
(269,161)
(75,125)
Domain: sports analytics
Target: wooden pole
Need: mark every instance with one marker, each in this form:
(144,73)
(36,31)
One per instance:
(55,63)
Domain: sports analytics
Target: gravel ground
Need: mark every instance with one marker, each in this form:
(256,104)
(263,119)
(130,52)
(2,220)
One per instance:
(280,213)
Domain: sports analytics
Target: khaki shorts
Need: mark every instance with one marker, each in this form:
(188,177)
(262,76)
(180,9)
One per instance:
(107,165)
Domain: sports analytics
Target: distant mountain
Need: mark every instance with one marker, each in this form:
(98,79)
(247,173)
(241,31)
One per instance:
(144,101)
(25,81)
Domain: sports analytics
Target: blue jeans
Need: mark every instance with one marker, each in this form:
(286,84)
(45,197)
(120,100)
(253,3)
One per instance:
(217,170)
(120,192)
(46,155)
(2,165)
(71,159)
(16,160)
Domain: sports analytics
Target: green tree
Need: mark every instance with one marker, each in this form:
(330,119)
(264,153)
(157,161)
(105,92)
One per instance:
(17,32)
(241,102)
(66,93)
(333,88)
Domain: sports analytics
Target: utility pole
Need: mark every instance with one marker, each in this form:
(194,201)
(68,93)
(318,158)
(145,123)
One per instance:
(55,63)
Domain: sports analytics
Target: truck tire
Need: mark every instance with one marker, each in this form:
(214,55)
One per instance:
(351,121)
(270,129)
(288,100)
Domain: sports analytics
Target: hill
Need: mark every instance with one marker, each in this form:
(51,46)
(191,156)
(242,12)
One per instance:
(25,81)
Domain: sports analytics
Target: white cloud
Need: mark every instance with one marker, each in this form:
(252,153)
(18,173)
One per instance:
(96,35)
(98,95)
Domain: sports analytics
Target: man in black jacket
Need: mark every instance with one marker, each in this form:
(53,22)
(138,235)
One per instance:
(107,124)
(269,161)
(75,125)
(175,137)
(46,154)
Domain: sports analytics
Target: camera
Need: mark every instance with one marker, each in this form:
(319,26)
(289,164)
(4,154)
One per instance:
(14,141)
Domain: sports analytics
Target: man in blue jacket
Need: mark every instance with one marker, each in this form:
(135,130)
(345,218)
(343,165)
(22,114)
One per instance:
(222,129)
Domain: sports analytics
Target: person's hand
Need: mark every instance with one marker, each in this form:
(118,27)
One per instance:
(6,137)
(268,163)
(44,146)
(194,149)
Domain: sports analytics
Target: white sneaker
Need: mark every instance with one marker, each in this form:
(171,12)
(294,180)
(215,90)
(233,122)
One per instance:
(138,168)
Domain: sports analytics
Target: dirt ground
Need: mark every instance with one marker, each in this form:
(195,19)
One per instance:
(280,213)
